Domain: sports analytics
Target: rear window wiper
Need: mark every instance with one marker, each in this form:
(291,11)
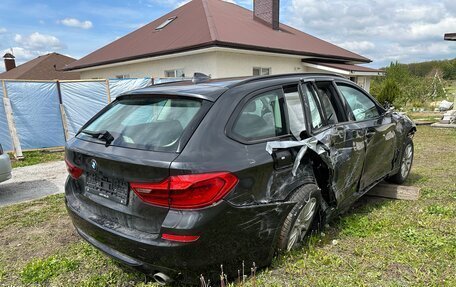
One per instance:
(103,135)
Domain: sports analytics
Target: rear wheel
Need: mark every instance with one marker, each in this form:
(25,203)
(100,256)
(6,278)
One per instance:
(302,218)
(406,164)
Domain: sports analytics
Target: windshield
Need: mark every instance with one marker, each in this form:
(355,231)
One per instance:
(145,123)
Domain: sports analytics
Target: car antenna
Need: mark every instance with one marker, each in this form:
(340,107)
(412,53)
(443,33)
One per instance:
(200,78)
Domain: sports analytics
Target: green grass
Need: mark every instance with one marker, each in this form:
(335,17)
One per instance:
(36,157)
(379,242)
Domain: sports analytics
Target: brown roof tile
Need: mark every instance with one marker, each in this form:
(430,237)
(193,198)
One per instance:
(42,68)
(207,23)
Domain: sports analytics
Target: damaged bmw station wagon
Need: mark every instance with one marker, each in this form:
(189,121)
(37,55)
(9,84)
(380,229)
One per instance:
(179,178)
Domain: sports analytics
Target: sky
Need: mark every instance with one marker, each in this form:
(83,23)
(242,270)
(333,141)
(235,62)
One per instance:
(382,30)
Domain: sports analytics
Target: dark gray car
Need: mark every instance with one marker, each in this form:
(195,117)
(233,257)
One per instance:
(180,178)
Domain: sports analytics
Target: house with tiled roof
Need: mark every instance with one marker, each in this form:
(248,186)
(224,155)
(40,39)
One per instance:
(45,67)
(220,39)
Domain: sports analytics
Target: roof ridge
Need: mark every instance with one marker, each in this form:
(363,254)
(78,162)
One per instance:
(210,23)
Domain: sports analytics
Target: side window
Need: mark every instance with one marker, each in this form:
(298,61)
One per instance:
(309,94)
(261,117)
(362,107)
(295,110)
(326,104)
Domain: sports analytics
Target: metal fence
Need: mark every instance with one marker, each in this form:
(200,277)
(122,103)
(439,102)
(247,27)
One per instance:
(44,114)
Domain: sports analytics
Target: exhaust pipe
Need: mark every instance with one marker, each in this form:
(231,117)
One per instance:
(162,279)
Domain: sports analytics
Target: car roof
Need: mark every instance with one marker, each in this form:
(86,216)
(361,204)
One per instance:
(212,89)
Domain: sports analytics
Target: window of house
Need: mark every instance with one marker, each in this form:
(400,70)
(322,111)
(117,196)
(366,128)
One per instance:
(126,76)
(258,71)
(176,73)
(295,110)
(261,117)
(362,107)
(166,23)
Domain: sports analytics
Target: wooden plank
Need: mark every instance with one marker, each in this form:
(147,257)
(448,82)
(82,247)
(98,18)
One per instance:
(64,122)
(11,125)
(108,91)
(85,80)
(395,191)
(448,126)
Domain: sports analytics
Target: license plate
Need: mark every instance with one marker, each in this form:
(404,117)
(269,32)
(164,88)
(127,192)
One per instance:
(111,188)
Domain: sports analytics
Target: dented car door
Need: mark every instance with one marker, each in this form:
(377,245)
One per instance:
(344,140)
(379,133)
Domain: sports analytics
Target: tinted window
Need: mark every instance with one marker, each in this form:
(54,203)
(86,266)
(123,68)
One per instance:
(362,107)
(295,110)
(315,115)
(326,104)
(152,124)
(261,117)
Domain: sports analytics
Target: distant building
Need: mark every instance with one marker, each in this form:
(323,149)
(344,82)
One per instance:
(46,67)
(221,39)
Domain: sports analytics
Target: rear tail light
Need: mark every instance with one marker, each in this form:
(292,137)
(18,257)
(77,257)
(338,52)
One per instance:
(180,238)
(187,191)
(74,171)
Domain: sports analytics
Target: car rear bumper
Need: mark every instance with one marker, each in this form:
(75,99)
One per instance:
(228,235)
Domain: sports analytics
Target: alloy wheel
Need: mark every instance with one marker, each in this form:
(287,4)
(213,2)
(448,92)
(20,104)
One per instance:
(302,223)
(407,161)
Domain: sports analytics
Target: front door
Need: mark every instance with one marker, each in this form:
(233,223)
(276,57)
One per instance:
(379,133)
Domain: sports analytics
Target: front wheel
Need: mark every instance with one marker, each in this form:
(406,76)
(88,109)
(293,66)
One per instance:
(406,163)
(302,218)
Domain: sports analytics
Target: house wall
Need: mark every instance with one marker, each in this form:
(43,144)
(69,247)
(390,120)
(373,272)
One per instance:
(204,62)
(217,64)
(240,64)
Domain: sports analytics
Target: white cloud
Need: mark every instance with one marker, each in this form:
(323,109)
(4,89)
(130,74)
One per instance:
(3,30)
(75,23)
(358,46)
(384,31)
(28,47)
(38,41)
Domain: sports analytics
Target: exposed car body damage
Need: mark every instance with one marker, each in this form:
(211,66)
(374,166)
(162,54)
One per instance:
(123,196)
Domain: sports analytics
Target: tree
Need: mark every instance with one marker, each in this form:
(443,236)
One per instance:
(389,92)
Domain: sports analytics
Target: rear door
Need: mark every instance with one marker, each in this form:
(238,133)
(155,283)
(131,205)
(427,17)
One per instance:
(345,140)
(379,133)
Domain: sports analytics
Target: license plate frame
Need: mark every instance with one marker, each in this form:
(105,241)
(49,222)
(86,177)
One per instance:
(113,189)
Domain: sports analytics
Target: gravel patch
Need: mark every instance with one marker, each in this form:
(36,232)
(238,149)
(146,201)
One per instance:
(33,182)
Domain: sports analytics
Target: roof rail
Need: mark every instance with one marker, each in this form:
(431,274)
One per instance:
(278,76)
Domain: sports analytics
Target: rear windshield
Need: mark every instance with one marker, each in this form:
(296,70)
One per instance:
(146,123)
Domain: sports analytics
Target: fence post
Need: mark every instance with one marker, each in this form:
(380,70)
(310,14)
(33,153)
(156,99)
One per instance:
(62,113)
(11,125)
(108,91)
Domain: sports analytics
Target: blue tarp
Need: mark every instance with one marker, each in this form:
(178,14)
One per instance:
(5,138)
(36,108)
(36,114)
(119,86)
(82,100)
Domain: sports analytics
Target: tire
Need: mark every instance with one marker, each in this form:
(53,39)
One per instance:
(302,218)
(406,163)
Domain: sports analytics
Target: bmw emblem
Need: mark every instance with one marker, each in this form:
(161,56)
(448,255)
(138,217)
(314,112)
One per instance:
(94,164)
